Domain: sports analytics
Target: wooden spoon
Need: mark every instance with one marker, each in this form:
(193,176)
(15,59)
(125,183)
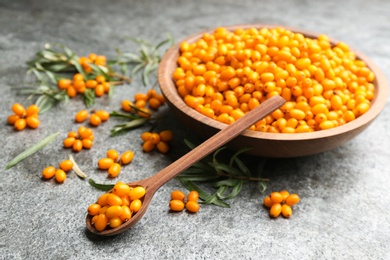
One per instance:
(153,183)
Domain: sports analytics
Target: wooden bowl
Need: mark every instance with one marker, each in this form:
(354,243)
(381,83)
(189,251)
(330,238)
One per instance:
(270,144)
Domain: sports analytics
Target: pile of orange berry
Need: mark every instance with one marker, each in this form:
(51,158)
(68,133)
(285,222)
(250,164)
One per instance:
(78,85)
(60,173)
(24,117)
(95,118)
(280,203)
(83,138)
(112,163)
(116,207)
(154,140)
(92,58)
(142,101)
(225,74)
(178,201)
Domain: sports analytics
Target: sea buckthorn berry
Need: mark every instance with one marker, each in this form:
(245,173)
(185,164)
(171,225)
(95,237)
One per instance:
(87,143)
(166,135)
(126,213)
(77,146)
(121,189)
(193,196)
(276,197)
(135,205)
(275,210)
(32,122)
(114,170)
(284,194)
(32,110)
(125,200)
(115,222)
(127,105)
(85,133)
(99,90)
(148,146)
(144,112)
(192,206)
(64,83)
(137,193)
(155,138)
(113,154)
(286,211)
(113,200)
(145,136)
(100,79)
(176,205)
(95,120)
(20,124)
(94,209)
(12,119)
(292,199)
(105,163)
(81,116)
(60,176)
(66,165)
(68,142)
(154,103)
(103,115)
(48,172)
(177,195)
(162,147)
(91,83)
(101,222)
(127,157)
(102,200)
(73,134)
(114,211)
(267,202)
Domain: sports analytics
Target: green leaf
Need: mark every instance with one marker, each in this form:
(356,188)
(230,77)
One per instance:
(243,168)
(240,151)
(102,187)
(120,129)
(226,168)
(194,177)
(31,150)
(207,199)
(89,98)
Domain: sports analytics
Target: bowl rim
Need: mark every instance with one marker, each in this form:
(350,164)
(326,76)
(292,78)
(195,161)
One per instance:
(167,84)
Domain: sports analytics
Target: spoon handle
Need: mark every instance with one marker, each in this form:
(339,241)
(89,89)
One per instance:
(214,142)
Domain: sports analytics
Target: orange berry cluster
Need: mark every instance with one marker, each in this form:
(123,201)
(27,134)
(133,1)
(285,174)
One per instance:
(92,59)
(112,163)
(60,173)
(178,201)
(24,117)
(280,203)
(83,138)
(116,207)
(154,140)
(225,74)
(152,99)
(95,118)
(78,85)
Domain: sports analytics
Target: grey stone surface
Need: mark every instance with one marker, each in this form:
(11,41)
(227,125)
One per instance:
(344,209)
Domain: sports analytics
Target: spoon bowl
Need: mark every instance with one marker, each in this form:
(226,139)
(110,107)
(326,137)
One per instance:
(153,183)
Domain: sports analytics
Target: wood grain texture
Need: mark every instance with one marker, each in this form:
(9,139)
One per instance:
(153,183)
(269,144)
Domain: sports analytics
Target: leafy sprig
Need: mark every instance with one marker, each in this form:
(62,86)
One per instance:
(227,178)
(144,62)
(57,61)
(134,121)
